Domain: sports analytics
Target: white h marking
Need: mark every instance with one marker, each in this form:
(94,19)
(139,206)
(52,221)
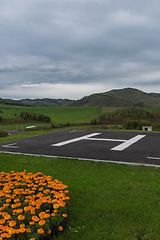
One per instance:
(120,147)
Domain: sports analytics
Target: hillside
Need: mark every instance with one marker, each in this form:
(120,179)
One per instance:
(126,97)
(44,102)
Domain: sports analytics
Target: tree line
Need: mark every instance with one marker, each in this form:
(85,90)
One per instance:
(35,117)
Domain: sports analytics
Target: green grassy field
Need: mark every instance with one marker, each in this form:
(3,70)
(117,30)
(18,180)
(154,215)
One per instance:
(108,201)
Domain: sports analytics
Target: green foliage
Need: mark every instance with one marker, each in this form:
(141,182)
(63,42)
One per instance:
(136,124)
(156,126)
(35,116)
(3,134)
(94,121)
(0,119)
(134,113)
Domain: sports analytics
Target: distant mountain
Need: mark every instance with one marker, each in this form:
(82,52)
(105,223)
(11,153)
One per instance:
(126,97)
(44,102)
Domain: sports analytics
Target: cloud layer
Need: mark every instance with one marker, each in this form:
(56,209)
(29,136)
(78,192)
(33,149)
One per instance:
(69,49)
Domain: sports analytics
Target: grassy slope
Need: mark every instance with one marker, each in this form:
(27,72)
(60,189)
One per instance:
(108,201)
(119,98)
(60,115)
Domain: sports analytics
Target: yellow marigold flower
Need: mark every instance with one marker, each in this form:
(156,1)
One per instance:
(40,231)
(60,228)
(56,206)
(64,215)
(21,217)
(12,223)
(12,231)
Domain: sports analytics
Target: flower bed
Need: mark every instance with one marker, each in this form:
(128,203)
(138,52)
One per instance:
(32,206)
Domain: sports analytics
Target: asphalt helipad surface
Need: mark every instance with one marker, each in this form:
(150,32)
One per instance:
(109,146)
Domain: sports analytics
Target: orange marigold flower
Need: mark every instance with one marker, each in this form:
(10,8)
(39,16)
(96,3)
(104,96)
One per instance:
(49,231)
(22,230)
(64,215)
(12,223)
(8,200)
(28,230)
(7,217)
(35,218)
(60,228)
(56,206)
(22,225)
(41,215)
(2,221)
(42,222)
(21,217)
(31,222)
(20,210)
(5,205)
(12,231)
(40,231)
(32,238)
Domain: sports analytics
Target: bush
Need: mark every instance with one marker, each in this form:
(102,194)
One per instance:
(35,117)
(136,125)
(134,113)
(94,121)
(3,134)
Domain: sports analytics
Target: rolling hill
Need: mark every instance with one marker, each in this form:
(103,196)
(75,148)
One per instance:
(126,97)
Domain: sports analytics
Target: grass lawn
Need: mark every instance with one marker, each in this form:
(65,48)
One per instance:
(108,201)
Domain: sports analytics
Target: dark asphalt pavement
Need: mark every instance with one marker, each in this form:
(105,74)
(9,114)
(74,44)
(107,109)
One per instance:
(133,147)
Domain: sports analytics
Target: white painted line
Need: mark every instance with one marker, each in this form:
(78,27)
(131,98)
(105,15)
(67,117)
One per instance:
(105,139)
(85,159)
(128,143)
(156,158)
(74,140)
(11,145)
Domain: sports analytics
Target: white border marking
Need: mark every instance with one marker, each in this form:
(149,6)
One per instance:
(11,145)
(128,143)
(85,159)
(74,140)
(156,158)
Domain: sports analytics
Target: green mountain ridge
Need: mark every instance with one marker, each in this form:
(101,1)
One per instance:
(126,97)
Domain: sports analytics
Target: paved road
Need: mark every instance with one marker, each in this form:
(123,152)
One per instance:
(131,147)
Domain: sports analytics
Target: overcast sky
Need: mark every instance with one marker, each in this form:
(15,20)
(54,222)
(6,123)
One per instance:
(73,48)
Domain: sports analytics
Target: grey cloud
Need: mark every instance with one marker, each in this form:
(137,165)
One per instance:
(80,42)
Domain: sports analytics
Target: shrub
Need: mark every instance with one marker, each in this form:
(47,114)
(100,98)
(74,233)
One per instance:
(3,134)
(35,117)
(32,206)
(134,113)
(136,125)
(94,121)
